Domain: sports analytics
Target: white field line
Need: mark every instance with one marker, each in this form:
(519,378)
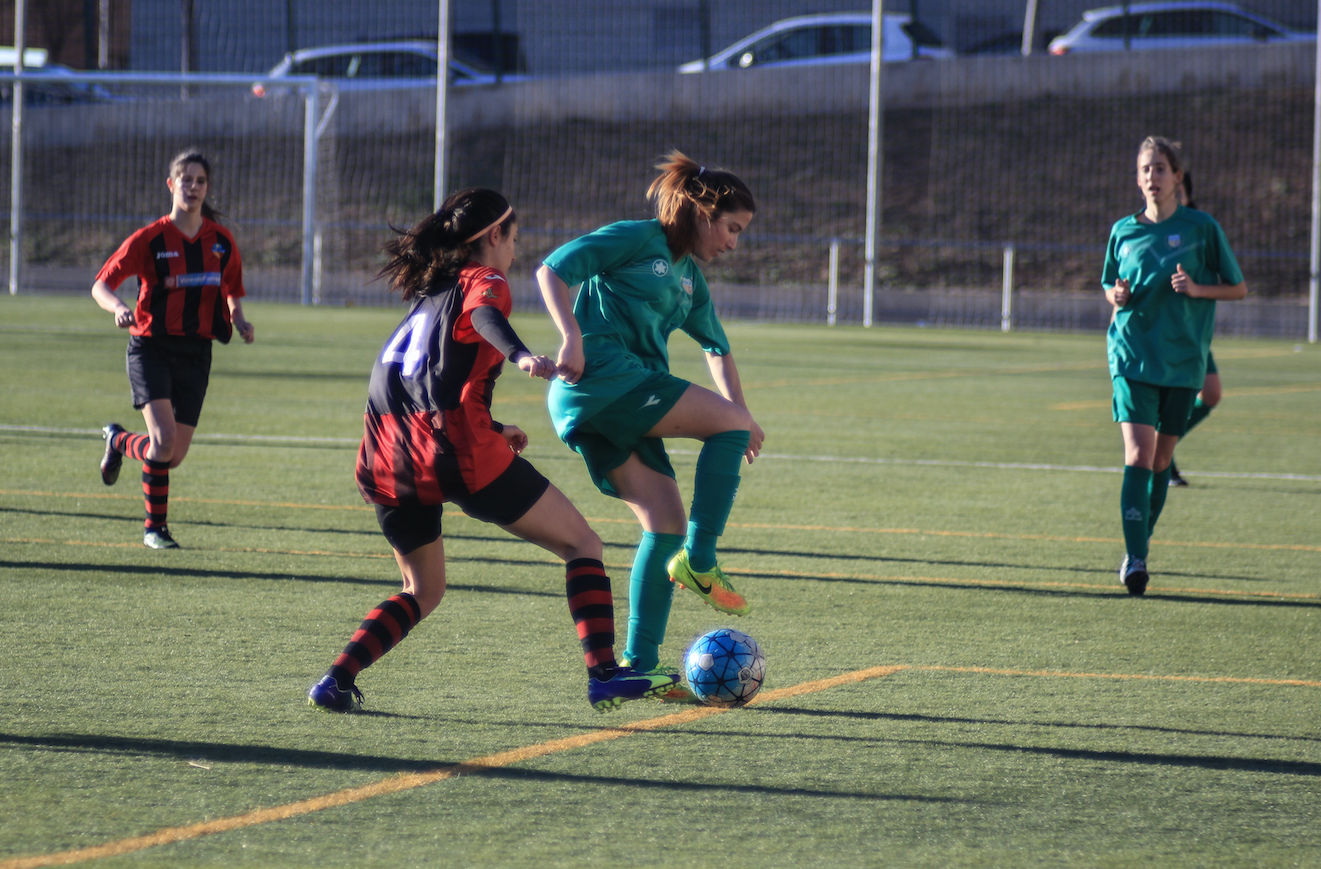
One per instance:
(861,460)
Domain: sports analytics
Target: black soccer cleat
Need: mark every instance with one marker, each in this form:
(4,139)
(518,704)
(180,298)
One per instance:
(113,458)
(1176,479)
(1133,575)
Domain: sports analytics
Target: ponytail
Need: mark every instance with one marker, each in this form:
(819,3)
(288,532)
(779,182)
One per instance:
(423,258)
(685,194)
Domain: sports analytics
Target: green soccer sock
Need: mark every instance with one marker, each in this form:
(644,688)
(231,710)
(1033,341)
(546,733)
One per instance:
(1199,412)
(1160,488)
(714,489)
(649,595)
(1135,508)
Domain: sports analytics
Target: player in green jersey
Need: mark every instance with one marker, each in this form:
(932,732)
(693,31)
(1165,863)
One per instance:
(1165,268)
(615,399)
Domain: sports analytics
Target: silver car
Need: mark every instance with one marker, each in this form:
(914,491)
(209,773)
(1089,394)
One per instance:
(376,66)
(1171,25)
(816,40)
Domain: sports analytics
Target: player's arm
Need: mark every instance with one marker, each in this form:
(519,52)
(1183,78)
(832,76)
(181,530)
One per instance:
(725,374)
(105,297)
(492,326)
(559,302)
(1183,283)
(245,329)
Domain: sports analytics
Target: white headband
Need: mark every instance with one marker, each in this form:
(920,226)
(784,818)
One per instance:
(499,220)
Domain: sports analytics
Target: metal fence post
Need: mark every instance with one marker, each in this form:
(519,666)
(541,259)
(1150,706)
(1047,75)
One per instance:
(875,153)
(16,158)
(309,192)
(1007,295)
(1315,270)
(832,293)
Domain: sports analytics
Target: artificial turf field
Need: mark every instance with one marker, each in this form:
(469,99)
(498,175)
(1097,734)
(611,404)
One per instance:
(955,677)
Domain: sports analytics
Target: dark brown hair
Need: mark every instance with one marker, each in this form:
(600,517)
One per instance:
(192,155)
(685,193)
(433,251)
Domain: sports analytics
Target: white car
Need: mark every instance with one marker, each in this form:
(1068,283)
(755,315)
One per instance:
(1171,25)
(817,40)
(377,66)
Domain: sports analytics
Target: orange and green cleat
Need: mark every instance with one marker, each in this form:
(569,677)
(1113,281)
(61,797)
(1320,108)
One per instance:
(711,586)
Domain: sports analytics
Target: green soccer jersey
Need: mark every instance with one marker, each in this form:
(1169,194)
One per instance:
(1162,337)
(633,296)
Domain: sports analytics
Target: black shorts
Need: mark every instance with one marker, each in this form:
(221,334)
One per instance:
(170,367)
(503,501)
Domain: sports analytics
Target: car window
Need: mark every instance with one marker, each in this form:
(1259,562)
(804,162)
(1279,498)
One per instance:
(1115,27)
(1229,24)
(1183,22)
(784,46)
(922,35)
(331,66)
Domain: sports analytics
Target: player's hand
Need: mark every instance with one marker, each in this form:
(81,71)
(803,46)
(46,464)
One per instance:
(571,361)
(537,366)
(124,318)
(515,437)
(1183,283)
(245,329)
(1120,293)
(755,438)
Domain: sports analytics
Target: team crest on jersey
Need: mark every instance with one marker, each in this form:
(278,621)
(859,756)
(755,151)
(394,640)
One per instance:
(1123,250)
(687,285)
(219,249)
(488,292)
(660,268)
(1173,240)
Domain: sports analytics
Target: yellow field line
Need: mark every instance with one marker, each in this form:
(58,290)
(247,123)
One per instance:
(409,781)
(736,571)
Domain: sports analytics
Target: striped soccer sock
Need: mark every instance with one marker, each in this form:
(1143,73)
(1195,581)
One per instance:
(592,607)
(383,629)
(134,446)
(156,491)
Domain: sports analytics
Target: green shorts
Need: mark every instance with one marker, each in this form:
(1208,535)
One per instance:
(609,436)
(1165,408)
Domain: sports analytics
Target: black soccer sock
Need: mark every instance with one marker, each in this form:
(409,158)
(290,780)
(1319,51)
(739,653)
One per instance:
(383,629)
(592,607)
(156,491)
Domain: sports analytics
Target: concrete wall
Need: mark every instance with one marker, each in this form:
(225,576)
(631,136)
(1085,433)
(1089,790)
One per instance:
(622,97)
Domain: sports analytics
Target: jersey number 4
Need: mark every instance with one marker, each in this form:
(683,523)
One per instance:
(408,347)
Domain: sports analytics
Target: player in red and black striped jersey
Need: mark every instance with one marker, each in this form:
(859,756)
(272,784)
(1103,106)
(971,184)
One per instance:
(190,282)
(429,438)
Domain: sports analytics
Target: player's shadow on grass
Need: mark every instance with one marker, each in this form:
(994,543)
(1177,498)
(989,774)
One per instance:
(207,573)
(949,719)
(223,752)
(1008,588)
(1000,565)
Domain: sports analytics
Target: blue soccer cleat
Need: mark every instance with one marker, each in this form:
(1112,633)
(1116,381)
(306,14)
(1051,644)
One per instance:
(327,696)
(628,684)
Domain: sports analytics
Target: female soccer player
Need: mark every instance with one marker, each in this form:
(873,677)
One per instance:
(615,398)
(429,438)
(190,282)
(1165,268)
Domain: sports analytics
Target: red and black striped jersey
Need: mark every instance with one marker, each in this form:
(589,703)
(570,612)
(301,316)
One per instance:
(182,282)
(430,397)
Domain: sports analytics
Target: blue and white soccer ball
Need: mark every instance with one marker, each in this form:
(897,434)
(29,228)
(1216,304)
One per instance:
(725,668)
